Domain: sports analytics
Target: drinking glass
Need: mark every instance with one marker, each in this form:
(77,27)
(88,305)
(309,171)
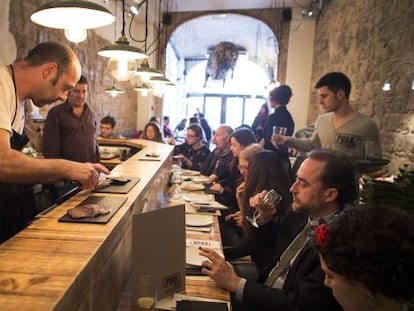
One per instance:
(270,200)
(146,294)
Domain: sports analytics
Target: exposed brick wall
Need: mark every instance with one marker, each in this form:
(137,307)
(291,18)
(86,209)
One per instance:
(372,41)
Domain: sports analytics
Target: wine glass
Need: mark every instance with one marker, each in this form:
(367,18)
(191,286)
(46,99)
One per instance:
(270,199)
(146,294)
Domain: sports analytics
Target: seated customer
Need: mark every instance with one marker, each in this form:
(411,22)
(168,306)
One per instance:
(367,254)
(194,152)
(107,128)
(265,172)
(152,131)
(293,279)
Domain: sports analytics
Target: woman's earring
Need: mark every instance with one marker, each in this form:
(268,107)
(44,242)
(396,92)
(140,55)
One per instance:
(372,302)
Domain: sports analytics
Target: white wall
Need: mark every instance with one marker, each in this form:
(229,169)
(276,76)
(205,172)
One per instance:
(299,65)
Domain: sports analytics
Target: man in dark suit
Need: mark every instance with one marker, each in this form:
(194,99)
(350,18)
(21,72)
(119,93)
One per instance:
(293,280)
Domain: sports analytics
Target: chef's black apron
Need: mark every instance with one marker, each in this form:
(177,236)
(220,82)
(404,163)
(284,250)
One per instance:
(17,205)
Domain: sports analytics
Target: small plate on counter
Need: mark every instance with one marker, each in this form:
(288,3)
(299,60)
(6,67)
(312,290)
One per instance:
(195,220)
(192,187)
(190,173)
(200,179)
(193,258)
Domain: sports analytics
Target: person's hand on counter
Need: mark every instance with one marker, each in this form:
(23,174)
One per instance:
(218,269)
(87,174)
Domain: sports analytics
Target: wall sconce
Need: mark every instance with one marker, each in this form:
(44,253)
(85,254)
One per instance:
(386,87)
(75,16)
(314,9)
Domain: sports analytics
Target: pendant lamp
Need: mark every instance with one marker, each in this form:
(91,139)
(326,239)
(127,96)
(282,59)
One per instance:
(159,80)
(143,89)
(122,54)
(114,91)
(75,16)
(145,72)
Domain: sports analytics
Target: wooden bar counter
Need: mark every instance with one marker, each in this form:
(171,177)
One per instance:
(55,265)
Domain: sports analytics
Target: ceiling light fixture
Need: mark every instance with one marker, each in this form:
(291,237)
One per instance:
(159,80)
(75,16)
(314,9)
(114,91)
(121,53)
(145,72)
(143,89)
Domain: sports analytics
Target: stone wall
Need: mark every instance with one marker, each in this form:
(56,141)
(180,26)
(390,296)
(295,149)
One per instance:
(372,41)
(94,67)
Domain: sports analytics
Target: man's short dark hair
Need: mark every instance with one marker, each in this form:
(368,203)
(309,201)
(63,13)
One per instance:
(339,173)
(335,81)
(281,94)
(82,80)
(109,120)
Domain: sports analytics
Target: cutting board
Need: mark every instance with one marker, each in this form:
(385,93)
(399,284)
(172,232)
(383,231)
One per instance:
(121,189)
(114,202)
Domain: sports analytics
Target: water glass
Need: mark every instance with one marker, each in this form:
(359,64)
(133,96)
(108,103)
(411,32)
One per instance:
(146,294)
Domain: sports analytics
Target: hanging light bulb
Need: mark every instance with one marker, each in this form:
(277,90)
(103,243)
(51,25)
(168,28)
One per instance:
(122,52)
(76,34)
(75,16)
(122,69)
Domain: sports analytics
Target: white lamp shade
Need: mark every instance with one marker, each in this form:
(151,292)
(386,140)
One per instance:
(123,50)
(145,72)
(114,91)
(65,14)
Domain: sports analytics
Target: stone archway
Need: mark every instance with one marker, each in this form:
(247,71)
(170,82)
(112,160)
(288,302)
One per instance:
(271,17)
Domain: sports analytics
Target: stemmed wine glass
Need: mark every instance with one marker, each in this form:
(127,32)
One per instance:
(146,294)
(270,199)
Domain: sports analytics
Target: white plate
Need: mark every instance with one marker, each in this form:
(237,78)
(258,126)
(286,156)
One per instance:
(190,173)
(198,220)
(192,187)
(192,257)
(200,179)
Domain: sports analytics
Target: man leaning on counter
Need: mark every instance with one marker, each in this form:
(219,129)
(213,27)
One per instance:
(45,75)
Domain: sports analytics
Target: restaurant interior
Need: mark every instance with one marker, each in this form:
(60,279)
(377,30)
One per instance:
(371,43)
(291,42)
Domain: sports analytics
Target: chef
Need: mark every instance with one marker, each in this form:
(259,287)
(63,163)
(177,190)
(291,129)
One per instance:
(45,75)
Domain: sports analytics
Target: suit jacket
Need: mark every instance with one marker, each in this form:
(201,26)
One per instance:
(304,288)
